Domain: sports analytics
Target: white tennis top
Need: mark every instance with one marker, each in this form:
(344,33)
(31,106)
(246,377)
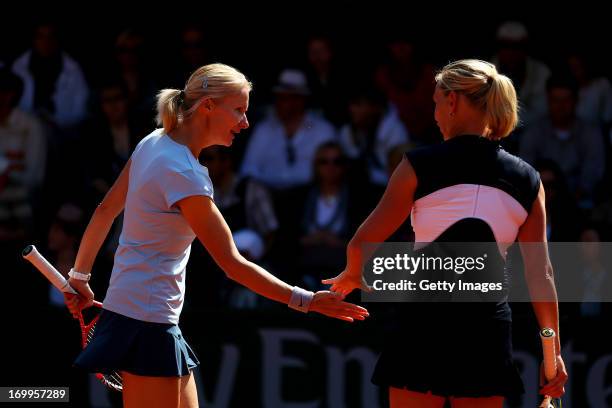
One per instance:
(148,278)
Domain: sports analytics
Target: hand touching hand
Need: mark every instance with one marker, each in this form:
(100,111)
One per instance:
(332,305)
(346,282)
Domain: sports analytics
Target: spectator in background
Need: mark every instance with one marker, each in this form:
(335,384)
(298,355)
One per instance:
(23,150)
(325,80)
(194,53)
(54,84)
(408,82)
(594,106)
(130,54)
(247,207)
(528,75)
(113,133)
(244,203)
(331,210)
(282,147)
(371,133)
(251,246)
(596,275)
(63,240)
(595,92)
(562,213)
(576,146)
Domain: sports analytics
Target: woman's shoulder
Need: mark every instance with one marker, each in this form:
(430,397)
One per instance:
(520,178)
(424,154)
(159,153)
(152,137)
(517,164)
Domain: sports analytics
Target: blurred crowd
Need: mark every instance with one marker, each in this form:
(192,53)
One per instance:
(324,139)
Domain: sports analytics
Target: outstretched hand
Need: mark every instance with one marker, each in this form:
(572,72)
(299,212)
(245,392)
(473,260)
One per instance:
(345,283)
(332,305)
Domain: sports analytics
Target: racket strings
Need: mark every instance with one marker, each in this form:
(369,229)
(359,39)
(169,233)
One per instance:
(112,380)
(90,332)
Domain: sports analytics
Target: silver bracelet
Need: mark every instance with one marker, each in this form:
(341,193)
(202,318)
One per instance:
(79,276)
(300,299)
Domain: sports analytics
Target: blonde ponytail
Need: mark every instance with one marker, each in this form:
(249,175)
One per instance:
(487,90)
(168,108)
(501,107)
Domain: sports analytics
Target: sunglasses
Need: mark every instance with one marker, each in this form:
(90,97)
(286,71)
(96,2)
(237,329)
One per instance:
(337,161)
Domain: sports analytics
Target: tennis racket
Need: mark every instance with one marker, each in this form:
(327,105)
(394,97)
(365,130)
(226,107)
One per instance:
(550,365)
(30,253)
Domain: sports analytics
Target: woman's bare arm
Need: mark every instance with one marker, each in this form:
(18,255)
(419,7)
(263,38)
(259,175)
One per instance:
(93,238)
(538,269)
(541,283)
(101,222)
(211,229)
(392,210)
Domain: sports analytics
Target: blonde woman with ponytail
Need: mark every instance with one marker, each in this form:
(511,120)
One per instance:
(466,189)
(167,199)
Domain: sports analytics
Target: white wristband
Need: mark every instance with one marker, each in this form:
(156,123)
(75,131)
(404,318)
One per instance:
(78,275)
(300,299)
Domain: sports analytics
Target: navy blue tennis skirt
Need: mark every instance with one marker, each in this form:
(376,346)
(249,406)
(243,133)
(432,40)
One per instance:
(462,356)
(121,343)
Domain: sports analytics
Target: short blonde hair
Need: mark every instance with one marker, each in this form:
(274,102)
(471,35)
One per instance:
(486,89)
(212,81)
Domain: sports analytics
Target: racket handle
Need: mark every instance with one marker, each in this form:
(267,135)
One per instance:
(31,254)
(547,336)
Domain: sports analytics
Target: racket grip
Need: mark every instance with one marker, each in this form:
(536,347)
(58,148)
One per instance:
(31,254)
(547,336)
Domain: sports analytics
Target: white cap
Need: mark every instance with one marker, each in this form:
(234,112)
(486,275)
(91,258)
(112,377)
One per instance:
(512,31)
(292,81)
